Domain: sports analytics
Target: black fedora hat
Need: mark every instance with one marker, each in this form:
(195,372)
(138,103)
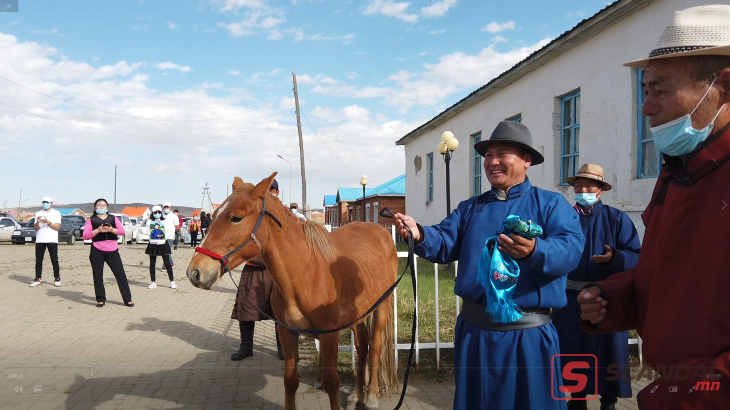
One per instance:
(510,132)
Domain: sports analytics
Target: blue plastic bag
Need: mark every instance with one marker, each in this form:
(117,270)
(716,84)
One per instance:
(499,273)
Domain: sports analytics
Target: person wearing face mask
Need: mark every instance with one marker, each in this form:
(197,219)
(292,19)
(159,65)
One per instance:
(103,229)
(295,210)
(170,234)
(677,295)
(194,230)
(160,247)
(47,223)
(612,246)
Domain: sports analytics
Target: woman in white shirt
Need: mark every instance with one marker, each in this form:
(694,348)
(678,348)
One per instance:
(157,225)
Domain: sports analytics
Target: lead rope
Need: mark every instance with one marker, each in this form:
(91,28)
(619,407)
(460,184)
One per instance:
(386,213)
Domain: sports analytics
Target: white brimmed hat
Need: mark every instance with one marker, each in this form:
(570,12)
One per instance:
(697,31)
(46,199)
(167,204)
(590,171)
(156,208)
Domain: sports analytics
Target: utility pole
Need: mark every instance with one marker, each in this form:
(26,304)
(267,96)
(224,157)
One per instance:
(115,189)
(206,193)
(19,198)
(301,143)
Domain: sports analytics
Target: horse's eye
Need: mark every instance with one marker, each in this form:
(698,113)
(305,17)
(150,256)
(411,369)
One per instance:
(236,219)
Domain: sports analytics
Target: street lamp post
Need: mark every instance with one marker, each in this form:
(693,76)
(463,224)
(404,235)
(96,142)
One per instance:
(363,182)
(289,177)
(448,145)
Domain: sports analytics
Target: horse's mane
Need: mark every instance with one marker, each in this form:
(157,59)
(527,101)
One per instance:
(318,239)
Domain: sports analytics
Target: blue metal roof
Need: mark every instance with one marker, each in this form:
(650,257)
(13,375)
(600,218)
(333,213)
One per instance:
(330,200)
(66,211)
(396,186)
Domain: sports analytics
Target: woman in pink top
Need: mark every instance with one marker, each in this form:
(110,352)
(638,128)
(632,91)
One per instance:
(103,229)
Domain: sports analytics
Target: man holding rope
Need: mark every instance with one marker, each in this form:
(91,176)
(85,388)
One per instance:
(506,365)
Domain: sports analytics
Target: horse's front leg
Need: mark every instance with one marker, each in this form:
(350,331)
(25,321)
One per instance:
(356,399)
(328,345)
(290,345)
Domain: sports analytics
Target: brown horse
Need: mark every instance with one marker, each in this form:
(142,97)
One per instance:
(321,281)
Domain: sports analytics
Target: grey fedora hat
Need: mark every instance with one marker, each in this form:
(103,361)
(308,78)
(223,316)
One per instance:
(510,132)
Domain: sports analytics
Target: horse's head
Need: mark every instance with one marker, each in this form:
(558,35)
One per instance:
(233,224)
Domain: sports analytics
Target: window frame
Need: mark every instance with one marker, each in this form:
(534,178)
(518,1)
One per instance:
(476,183)
(367,212)
(429,161)
(515,118)
(375,212)
(640,125)
(574,154)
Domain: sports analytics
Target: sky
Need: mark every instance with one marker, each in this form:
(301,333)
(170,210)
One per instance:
(180,94)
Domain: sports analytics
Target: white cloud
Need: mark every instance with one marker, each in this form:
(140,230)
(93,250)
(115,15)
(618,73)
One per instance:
(233,72)
(353,75)
(14,23)
(499,39)
(233,5)
(172,66)
(442,31)
(495,27)
(171,25)
(453,73)
(139,27)
(275,72)
(53,32)
(437,9)
(391,9)
(580,14)
(256,22)
(362,139)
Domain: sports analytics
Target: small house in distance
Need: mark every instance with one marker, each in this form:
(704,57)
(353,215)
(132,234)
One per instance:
(351,207)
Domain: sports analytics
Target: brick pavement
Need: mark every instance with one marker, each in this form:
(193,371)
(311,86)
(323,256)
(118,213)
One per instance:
(170,351)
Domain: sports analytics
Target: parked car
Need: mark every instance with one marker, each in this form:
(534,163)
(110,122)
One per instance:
(126,223)
(7,215)
(7,227)
(26,234)
(135,226)
(78,222)
(143,234)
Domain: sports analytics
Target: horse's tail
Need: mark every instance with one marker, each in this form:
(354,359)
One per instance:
(388,369)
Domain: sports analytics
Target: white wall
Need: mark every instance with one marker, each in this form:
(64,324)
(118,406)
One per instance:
(608,119)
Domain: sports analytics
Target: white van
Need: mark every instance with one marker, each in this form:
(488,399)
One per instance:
(128,229)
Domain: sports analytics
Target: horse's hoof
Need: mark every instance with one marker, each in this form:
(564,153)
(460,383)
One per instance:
(371,404)
(352,401)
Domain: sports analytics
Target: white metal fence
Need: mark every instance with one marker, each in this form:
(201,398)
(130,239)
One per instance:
(438,345)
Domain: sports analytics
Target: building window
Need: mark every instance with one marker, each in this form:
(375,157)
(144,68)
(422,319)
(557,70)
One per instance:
(477,174)
(350,214)
(570,135)
(430,177)
(650,162)
(375,212)
(516,118)
(367,212)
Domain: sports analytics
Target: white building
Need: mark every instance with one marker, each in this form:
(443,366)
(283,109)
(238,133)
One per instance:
(573,89)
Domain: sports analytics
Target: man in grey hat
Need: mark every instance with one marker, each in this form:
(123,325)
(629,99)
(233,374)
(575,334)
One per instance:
(494,361)
(676,297)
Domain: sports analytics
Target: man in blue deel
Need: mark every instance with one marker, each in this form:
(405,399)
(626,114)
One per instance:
(506,365)
(612,246)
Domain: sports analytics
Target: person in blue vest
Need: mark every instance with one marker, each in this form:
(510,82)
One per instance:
(612,246)
(506,365)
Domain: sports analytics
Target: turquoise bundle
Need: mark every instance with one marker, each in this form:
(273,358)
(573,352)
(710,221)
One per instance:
(498,272)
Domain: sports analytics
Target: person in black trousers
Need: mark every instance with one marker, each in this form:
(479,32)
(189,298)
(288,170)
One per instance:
(158,246)
(103,229)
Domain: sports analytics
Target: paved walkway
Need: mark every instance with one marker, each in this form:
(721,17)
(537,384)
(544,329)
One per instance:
(170,351)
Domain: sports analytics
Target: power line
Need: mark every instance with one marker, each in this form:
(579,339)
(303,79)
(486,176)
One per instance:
(128,134)
(124,115)
(325,144)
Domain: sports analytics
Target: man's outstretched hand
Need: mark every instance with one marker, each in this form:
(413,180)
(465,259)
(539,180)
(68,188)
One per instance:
(401,221)
(592,306)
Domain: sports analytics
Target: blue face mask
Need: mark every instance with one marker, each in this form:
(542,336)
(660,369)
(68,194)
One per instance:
(678,137)
(102,211)
(586,198)
(166,211)
(46,206)
(294,211)
(157,215)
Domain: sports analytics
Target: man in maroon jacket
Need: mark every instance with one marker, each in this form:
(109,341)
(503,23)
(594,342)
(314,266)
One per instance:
(677,296)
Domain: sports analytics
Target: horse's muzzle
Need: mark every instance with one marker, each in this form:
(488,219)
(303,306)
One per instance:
(194,276)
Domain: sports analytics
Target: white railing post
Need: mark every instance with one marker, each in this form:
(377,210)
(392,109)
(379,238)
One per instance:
(438,316)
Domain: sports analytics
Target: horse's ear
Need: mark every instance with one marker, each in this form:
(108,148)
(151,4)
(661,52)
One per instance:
(237,183)
(264,186)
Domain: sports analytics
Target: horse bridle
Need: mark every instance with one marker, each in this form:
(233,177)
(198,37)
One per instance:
(226,258)
(385,212)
